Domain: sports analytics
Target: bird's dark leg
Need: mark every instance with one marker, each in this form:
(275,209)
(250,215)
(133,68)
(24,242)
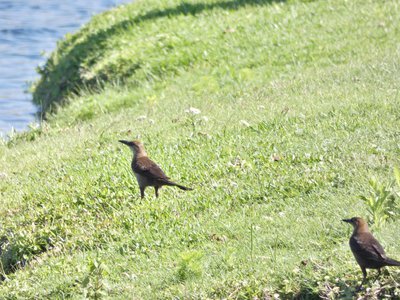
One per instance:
(156,190)
(142,191)
(379,274)
(364,271)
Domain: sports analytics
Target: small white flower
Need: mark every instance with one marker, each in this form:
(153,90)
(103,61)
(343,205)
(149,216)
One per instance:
(204,118)
(244,123)
(151,121)
(299,131)
(205,134)
(275,157)
(141,118)
(193,111)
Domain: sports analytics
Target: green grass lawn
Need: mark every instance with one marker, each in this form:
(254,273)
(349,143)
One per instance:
(299,108)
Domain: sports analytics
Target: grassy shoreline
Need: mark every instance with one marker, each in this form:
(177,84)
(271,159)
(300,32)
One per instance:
(299,108)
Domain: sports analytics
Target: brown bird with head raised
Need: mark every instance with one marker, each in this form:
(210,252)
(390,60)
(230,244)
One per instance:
(366,249)
(147,172)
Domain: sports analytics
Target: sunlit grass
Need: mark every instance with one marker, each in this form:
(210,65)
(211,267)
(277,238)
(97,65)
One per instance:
(298,108)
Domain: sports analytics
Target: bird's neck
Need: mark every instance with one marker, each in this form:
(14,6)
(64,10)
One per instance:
(363,228)
(139,154)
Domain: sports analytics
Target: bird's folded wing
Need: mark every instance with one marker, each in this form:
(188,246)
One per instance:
(149,169)
(369,249)
(379,251)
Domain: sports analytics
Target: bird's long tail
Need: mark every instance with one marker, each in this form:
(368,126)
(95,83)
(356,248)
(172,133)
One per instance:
(182,187)
(392,262)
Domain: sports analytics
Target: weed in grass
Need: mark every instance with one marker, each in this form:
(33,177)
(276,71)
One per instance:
(381,203)
(94,285)
(189,266)
(397,180)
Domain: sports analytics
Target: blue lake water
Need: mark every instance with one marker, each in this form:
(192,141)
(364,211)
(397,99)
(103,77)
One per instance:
(29,28)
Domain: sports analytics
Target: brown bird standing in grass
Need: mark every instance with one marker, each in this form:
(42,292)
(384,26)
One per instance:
(147,172)
(366,249)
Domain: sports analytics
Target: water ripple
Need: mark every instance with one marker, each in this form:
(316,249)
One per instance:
(28,28)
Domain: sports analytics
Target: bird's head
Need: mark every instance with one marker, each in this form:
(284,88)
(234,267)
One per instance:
(136,147)
(358,223)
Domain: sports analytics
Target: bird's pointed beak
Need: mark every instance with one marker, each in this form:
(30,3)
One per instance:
(347,220)
(124,142)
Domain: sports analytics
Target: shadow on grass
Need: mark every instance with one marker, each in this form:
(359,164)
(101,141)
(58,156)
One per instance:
(337,290)
(61,74)
(349,289)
